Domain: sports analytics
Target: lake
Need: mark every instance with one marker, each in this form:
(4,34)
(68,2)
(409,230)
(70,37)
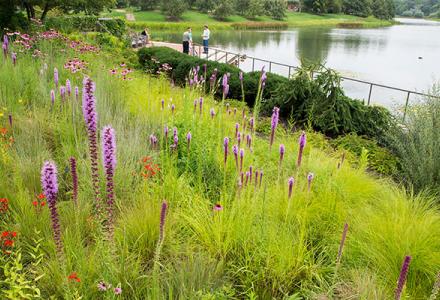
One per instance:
(405,56)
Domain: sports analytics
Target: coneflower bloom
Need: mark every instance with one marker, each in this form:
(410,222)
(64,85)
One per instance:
(226,148)
(310,177)
(302,144)
(341,244)
(74,174)
(218,207)
(109,162)
(274,124)
(402,277)
(235,151)
(188,139)
(212,112)
(90,118)
(163,214)
(282,150)
(241,158)
(290,182)
(55,76)
(49,184)
(68,87)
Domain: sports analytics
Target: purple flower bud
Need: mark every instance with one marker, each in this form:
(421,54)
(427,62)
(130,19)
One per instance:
(55,76)
(109,163)
(256,177)
(173,107)
(302,144)
(201,104)
(238,138)
(402,277)
(68,87)
(247,177)
(250,173)
(195,105)
(76,93)
(249,140)
(163,214)
(261,177)
(291,181)
(188,139)
(226,148)
(341,244)
(310,177)
(235,151)
(225,85)
(52,97)
(274,124)
(282,150)
(236,129)
(14,58)
(162,103)
(63,92)
(241,158)
(251,124)
(212,112)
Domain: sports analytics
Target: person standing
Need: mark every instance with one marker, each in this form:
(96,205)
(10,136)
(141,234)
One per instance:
(186,40)
(145,36)
(205,37)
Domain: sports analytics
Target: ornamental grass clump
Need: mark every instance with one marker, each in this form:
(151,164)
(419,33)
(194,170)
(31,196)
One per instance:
(49,184)
(109,162)
(90,118)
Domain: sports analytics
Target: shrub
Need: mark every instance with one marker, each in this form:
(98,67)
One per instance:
(86,23)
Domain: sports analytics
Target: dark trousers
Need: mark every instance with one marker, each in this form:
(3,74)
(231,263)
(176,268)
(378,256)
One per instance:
(205,46)
(185,47)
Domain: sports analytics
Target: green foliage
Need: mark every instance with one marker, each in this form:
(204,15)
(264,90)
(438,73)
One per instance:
(145,4)
(68,24)
(361,8)
(416,142)
(173,9)
(276,9)
(223,9)
(380,160)
(11,18)
(205,5)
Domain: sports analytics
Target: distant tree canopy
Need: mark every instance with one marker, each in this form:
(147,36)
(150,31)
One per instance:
(417,8)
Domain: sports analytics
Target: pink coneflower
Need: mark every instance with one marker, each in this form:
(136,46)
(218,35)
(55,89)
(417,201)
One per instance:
(212,112)
(310,177)
(102,286)
(117,290)
(241,158)
(217,207)
(282,150)
(302,144)
(226,148)
(235,151)
(290,182)
(402,277)
(274,124)
(341,244)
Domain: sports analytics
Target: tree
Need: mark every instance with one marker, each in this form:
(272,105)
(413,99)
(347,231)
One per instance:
(144,4)
(334,6)
(223,9)
(173,8)
(205,5)
(315,6)
(276,9)
(361,8)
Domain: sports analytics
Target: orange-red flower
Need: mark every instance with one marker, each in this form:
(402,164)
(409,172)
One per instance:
(4,205)
(74,277)
(41,196)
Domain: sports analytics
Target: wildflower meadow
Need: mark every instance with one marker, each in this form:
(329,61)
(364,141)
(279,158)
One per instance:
(117,184)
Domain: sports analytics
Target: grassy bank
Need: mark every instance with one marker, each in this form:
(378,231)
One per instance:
(157,21)
(218,239)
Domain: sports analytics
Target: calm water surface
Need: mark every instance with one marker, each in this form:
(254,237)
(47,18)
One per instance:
(405,56)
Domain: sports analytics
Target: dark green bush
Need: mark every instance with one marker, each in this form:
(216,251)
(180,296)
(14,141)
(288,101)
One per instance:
(317,101)
(69,24)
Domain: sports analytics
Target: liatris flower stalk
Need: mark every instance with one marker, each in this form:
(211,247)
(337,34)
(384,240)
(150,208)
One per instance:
(63,93)
(153,141)
(310,177)
(436,288)
(226,148)
(235,151)
(261,177)
(68,87)
(50,188)
(342,160)
(175,138)
(250,173)
(240,76)
(55,76)
(290,182)
(212,112)
(225,86)
(14,58)
(227,107)
(74,174)
(163,214)
(165,130)
(238,139)
(10,120)
(341,244)
(235,112)
(247,178)
(256,177)
(173,107)
(201,105)
(242,177)
(76,93)
(241,158)
(249,141)
(5,45)
(109,161)
(302,144)
(195,106)
(282,150)
(52,97)
(188,139)
(251,124)
(90,118)
(402,277)
(236,129)
(5,50)
(274,124)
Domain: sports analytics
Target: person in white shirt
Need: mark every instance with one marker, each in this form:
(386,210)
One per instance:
(205,36)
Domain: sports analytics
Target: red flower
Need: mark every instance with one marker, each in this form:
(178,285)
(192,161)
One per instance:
(43,203)
(35,203)
(74,276)
(8,243)
(41,196)
(5,233)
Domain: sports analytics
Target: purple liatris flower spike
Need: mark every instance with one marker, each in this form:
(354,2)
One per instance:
(251,124)
(162,103)
(241,158)
(173,107)
(341,244)
(52,97)
(14,58)
(249,141)
(256,177)
(10,120)
(212,112)
(201,104)
(310,177)
(290,182)
(76,93)
(240,76)
(188,139)
(49,184)
(5,50)
(274,124)
(163,214)
(225,85)
(302,144)
(261,177)
(74,174)
(250,173)
(165,130)
(247,178)
(282,150)
(63,93)
(109,162)
(68,87)
(6,40)
(195,105)
(402,277)
(235,151)
(235,112)
(175,138)
(55,76)
(237,126)
(91,118)
(238,138)
(226,148)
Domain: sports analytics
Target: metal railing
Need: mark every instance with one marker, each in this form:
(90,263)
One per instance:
(237,59)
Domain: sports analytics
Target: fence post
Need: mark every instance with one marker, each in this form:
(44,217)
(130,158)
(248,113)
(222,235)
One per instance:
(406,106)
(270,66)
(215,55)
(238,60)
(253,64)
(226,57)
(288,76)
(200,53)
(369,94)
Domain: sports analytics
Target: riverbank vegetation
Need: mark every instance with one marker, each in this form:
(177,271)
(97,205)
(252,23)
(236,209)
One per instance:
(187,196)
(418,9)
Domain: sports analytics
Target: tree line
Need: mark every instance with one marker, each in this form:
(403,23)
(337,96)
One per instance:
(418,8)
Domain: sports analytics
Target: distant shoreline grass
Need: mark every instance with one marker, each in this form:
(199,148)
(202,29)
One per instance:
(155,20)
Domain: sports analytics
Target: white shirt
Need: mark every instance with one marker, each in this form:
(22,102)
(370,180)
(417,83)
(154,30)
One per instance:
(206,34)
